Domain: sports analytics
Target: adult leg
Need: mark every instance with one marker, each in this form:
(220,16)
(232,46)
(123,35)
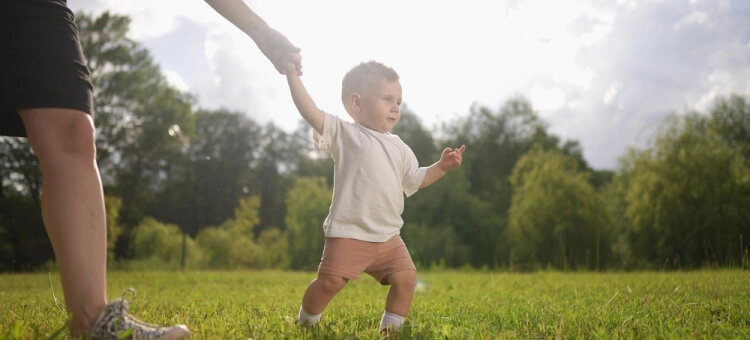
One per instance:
(72,207)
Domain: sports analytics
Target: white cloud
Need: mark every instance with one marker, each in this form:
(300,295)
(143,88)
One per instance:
(629,4)
(610,95)
(695,18)
(235,81)
(546,99)
(722,82)
(152,18)
(175,80)
(600,72)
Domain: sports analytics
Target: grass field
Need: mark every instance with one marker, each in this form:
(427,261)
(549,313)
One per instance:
(449,305)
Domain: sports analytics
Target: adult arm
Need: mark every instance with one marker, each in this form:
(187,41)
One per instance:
(275,46)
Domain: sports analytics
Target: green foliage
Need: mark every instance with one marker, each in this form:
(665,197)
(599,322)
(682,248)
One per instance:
(232,245)
(23,241)
(687,196)
(307,207)
(413,133)
(495,142)
(135,107)
(25,244)
(246,216)
(556,217)
(243,251)
(309,162)
(20,169)
(435,246)
(114,229)
(217,246)
(158,242)
(466,225)
(449,305)
(6,248)
(614,196)
(276,152)
(679,203)
(440,221)
(275,245)
(730,119)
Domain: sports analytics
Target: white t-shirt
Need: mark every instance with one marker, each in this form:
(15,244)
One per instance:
(372,172)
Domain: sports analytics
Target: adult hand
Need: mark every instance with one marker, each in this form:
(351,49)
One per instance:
(278,49)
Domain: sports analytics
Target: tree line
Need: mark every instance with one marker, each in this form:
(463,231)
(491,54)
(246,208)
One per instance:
(213,189)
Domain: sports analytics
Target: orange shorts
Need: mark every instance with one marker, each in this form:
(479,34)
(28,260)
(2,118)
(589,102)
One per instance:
(347,258)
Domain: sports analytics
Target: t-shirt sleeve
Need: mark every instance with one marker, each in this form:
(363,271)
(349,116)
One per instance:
(325,141)
(413,174)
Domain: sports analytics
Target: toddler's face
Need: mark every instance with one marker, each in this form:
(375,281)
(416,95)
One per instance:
(381,106)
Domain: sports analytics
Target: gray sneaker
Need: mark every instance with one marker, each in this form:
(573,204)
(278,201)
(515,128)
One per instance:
(117,323)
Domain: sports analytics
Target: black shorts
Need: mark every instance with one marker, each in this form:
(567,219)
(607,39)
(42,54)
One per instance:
(41,61)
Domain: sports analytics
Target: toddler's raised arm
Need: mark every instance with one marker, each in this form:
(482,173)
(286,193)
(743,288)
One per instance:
(449,159)
(305,104)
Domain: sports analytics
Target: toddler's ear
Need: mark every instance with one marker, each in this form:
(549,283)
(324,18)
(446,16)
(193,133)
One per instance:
(355,100)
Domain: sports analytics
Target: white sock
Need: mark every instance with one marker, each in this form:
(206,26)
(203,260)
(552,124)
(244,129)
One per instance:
(304,318)
(394,321)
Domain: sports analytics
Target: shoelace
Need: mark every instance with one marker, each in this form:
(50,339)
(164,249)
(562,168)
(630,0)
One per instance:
(125,293)
(144,326)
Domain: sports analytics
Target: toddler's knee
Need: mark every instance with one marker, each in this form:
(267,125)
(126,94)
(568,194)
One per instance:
(405,280)
(332,284)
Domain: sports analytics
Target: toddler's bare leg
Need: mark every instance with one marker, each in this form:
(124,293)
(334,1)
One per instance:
(401,292)
(321,291)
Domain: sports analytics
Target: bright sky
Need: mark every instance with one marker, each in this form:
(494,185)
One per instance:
(600,72)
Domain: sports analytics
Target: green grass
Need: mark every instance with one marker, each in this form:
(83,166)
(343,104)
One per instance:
(452,305)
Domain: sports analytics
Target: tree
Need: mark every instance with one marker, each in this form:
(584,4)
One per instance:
(212,172)
(231,245)
(20,207)
(556,217)
(160,244)
(114,229)
(307,207)
(413,133)
(614,193)
(135,109)
(6,249)
(439,246)
(275,155)
(131,94)
(275,249)
(444,210)
(687,195)
(730,119)
(495,142)
(24,244)
(469,223)
(308,162)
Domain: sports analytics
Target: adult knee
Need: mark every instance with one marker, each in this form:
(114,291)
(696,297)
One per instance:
(68,135)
